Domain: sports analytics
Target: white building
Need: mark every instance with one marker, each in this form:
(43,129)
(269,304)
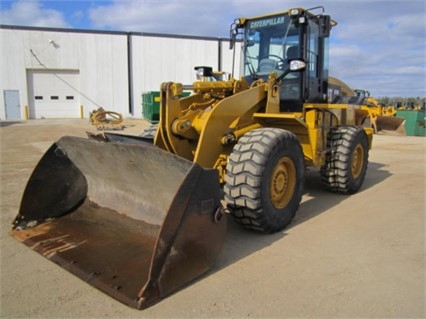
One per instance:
(66,73)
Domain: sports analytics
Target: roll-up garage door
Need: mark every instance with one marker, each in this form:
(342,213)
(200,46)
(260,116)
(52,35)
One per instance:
(54,93)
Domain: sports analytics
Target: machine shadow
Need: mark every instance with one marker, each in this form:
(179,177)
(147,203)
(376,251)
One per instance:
(9,123)
(241,243)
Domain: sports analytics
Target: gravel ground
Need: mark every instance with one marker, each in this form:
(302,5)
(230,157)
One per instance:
(343,256)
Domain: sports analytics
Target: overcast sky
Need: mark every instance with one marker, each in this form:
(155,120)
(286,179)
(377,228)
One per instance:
(378,45)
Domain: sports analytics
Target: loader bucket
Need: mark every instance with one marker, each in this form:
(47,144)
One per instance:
(392,124)
(134,221)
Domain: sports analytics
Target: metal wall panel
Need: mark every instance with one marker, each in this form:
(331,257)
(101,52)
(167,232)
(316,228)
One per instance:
(160,59)
(102,60)
(227,56)
(103,69)
(13,57)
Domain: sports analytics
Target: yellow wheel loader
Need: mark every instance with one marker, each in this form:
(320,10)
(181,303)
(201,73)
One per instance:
(139,218)
(379,117)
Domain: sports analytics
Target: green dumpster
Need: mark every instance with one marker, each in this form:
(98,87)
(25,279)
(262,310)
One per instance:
(151,105)
(414,122)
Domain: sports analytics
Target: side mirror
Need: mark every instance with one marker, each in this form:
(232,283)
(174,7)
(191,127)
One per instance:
(235,29)
(296,65)
(232,35)
(324,24)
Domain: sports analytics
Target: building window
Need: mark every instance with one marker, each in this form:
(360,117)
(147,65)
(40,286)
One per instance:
(38,97)
(54,97)
(70,97)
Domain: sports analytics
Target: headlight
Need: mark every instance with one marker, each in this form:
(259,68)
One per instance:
(294,12)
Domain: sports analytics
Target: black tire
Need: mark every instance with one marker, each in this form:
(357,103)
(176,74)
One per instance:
(347,160)
(264,180)
(149,132)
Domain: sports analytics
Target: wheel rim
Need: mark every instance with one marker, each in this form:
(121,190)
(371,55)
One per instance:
(357,161)
(283,183)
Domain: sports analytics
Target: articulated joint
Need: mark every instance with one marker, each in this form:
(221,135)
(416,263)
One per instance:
(181,126)
(228,139)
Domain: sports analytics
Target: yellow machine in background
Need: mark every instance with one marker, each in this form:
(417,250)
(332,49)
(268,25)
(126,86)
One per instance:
(374,103)
(379,117)
(104,120)
(410,106)
(156,221)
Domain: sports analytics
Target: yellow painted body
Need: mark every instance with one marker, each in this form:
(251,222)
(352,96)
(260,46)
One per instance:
(204,126)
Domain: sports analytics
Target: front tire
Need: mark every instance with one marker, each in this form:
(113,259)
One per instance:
(264,180)
(347,160)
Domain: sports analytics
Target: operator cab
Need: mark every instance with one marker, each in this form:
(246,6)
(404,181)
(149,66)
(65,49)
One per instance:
(271,42)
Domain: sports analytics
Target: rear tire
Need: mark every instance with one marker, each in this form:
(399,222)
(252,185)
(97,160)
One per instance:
(347,160)
(264,179)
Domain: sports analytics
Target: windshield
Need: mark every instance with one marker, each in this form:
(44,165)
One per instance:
(269,44)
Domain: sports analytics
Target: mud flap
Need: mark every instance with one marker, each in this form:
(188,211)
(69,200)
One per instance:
(134,221)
